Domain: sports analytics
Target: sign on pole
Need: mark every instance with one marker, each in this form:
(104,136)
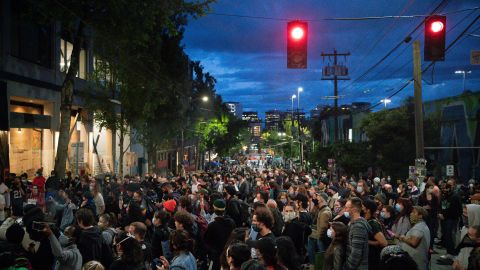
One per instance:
(475,57)
(450,170)
(411,172)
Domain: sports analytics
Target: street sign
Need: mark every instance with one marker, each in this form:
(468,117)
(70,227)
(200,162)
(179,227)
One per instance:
(475,57)
(411,172)
(450,170)
(331,161)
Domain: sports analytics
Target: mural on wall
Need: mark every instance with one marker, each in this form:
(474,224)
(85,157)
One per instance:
(459,128)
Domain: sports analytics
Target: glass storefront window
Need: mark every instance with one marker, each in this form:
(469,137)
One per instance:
(25,145)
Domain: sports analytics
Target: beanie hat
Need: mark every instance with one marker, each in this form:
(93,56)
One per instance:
(219,205)
(324,196)
(170,205)
(15,234)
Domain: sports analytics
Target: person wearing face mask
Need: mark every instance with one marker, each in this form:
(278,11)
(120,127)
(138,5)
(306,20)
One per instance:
(358,231)
(318,242)
(362,191)
(387,216)
(295,229)
(468,242)
(161,235)
(376,239)
(451,210)
(339,214)
(417,240)
(262,224)
(282,200)
(431,203)
(403,208)
(335,254)
(332,191)
(64,249)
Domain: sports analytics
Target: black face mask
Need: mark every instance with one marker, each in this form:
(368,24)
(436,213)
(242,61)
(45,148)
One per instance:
(315,201)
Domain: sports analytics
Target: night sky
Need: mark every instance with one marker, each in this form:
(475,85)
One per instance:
(247,56)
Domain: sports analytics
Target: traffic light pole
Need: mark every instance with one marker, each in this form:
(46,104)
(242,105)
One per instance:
(335,79)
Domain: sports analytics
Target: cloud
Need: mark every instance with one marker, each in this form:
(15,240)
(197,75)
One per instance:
(248,56)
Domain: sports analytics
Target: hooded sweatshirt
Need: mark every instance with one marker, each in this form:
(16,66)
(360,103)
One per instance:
(93,247)
(473,213)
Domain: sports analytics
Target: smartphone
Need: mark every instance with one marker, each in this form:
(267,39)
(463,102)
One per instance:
(390,233)
(38,226)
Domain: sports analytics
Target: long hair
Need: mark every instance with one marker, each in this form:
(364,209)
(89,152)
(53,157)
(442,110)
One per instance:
(132,250)
(341,236)
(407,208)
(287,254)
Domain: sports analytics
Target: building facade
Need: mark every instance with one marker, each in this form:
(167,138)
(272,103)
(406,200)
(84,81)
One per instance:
(235,108)
(33,62)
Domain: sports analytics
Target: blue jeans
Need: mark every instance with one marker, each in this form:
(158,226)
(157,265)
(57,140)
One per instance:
(314,246)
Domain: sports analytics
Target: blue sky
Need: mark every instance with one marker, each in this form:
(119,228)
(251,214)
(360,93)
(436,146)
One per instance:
(248,56)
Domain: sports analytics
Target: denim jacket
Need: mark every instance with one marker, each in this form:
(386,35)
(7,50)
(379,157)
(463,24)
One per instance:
(184,261)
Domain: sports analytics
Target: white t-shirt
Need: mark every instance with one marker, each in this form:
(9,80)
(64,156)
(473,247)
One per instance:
(420,253)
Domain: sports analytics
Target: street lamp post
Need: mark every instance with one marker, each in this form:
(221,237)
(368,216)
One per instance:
(464,73)
(204,99)
(293,97)
(300,145)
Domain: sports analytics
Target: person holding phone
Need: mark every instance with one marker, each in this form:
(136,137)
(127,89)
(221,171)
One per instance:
(182,246)
(64,249)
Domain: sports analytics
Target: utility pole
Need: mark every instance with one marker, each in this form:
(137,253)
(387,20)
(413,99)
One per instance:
(335,73)
(417,79)
(420,162)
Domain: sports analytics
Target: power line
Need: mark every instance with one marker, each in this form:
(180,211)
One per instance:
(405,40)
(410,60)
(451,45)
(336,18)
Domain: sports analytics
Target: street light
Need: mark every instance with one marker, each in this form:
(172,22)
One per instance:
(464,73)
(386,101)
(299,90)
(205,98)
(293,97)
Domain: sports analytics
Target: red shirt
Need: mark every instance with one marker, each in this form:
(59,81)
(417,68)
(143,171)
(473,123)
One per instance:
(39,182)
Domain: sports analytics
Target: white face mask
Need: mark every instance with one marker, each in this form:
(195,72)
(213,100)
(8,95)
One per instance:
(359,189)
(288,216)
(329,233)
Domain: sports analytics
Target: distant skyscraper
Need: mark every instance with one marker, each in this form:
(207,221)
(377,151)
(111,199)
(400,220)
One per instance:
(250,116)
(235,108)
(273,120)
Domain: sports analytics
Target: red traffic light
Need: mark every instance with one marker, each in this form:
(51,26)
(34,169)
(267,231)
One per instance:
(297,33)
(435,33)
(436,26)
(297,40)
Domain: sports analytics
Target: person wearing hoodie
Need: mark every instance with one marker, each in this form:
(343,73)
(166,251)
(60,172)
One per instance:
(471,218)
(218,232)
(90,241)
(358,231)
(64,249)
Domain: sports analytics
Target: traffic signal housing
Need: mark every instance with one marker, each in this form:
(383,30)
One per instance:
(435,31)
(297,40)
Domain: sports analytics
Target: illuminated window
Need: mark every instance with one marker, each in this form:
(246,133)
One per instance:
(66,49)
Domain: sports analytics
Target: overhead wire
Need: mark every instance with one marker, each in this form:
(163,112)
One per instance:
(447,49)
(337,18)
(354,95)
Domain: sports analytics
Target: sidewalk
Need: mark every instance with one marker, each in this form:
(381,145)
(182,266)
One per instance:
(433,261)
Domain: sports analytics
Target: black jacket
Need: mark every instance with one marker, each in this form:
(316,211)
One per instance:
(93,247)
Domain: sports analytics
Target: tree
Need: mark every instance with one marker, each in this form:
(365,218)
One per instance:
(125,24)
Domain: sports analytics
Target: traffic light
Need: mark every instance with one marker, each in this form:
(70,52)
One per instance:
(297,39)
(435,29)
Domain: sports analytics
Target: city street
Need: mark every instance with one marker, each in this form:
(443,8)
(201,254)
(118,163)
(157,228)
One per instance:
(220,134)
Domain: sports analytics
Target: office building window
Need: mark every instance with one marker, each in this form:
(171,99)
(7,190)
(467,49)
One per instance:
(66,49)
(30,41)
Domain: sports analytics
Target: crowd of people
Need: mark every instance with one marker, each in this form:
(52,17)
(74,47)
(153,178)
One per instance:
(236,217)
